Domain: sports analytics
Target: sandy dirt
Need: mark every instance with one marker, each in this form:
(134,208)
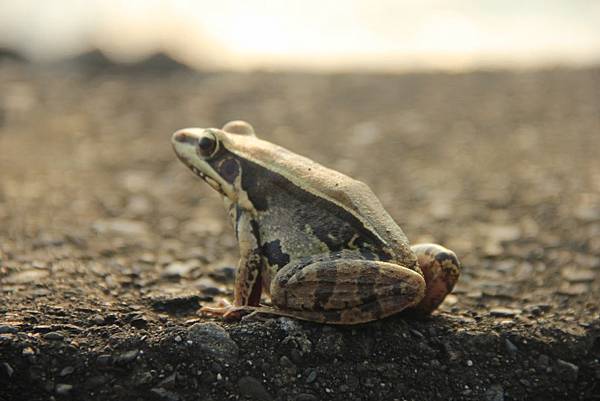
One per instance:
(108,245)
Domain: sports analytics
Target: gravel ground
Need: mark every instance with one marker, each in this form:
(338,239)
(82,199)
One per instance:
(108,245)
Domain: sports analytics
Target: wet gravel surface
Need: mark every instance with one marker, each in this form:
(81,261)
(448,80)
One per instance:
(108,245)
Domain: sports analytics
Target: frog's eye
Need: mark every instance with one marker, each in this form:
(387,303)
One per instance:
(207,145)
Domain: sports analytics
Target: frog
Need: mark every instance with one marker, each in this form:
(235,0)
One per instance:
(317,242)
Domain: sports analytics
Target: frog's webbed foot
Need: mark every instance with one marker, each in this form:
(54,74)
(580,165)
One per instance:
(264,313)
(228,311)
(441,269)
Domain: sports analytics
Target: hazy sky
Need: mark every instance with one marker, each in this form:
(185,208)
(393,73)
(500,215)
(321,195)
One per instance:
(389,34)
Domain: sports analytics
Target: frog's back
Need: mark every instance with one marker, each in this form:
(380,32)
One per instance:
(351,195)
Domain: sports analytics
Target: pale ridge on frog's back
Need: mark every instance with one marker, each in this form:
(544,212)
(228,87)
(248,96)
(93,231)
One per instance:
(318,242)
(353,195)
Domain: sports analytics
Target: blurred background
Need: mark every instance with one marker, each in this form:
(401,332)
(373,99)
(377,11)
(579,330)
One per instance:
(311,34)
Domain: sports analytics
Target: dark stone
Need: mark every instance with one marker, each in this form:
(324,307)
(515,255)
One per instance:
(224,273)
(104,360)
(252,388)
(213,340)
(42,328)
(138,321)
(8,369)
(5,329)
(67,370)
(54,336)
(176,303)
(63,389)
(126,357)
(306,397)
(510,347)
(567,370)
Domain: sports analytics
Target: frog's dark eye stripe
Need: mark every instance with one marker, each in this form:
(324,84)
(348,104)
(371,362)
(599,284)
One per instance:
(207,146)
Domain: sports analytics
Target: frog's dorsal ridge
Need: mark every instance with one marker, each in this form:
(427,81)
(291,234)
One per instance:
(352,195)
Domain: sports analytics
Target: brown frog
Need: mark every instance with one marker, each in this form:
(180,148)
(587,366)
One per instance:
(317,241)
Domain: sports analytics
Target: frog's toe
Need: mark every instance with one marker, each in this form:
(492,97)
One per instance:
(441,269)
(222,306)
(228,312)
(214,310)
(237,313)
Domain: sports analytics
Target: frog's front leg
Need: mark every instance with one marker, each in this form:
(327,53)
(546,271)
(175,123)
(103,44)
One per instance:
(441,269)
(248,281)
(344,291)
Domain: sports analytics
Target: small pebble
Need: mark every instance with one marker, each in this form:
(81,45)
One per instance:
(510,347)
(174,303)
(575,275)
(126,357)
(8,369)
(138,321)
(104,359)
(224,273)
(67,370)
(417,333)
(505,312)
(26,277)
(568,370)
(63,389)
(38,264)
(98,319)
(42,328)
(208,286)
(5,329)
(573,289)
(312,376)
(53,336)
(179,269)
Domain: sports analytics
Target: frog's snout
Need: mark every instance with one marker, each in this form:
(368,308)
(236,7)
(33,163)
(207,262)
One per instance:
(184,136)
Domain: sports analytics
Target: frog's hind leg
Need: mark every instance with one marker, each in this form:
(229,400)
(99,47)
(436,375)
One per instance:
(441,269)
(361,314)
(345,291)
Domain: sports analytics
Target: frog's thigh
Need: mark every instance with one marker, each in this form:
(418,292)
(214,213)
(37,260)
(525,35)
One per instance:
(441,269)
(345,291)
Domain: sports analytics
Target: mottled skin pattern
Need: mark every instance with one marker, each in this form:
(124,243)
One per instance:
(318,242)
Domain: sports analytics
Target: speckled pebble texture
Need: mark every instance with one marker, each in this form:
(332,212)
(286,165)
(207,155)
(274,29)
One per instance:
(108,245)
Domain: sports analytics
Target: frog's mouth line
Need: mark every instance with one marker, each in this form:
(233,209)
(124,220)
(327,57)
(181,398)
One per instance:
(216,185)
(206,178)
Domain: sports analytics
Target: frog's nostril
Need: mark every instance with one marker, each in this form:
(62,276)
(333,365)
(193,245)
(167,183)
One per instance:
(183,137)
